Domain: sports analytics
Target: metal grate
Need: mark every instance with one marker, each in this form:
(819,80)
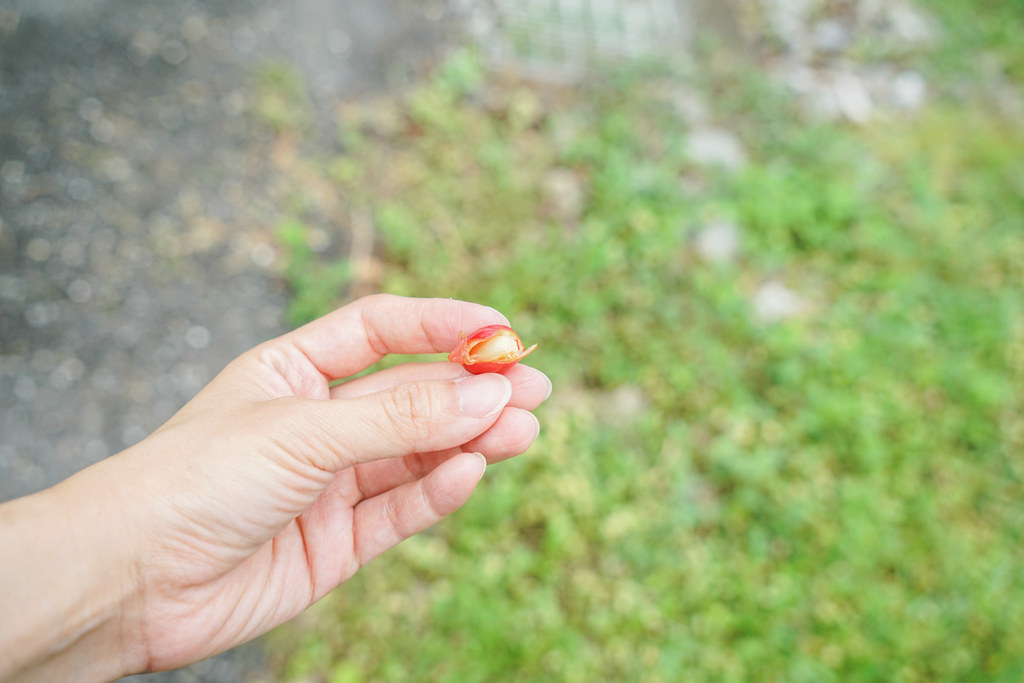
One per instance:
(569,38)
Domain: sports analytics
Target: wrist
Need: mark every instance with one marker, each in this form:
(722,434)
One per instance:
(70,594)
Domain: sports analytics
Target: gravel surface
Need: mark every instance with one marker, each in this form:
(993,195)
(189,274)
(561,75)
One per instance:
(136,222)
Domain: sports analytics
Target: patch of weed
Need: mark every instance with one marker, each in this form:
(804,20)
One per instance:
(832,496)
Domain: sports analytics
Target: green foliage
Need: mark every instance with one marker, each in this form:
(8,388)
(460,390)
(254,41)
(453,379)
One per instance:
(835,496)
(316,285)
(991,32)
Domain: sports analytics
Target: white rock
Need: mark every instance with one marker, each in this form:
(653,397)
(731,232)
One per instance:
(716,147)
(909,90)
(718,242)
(788,19)
(851,97)
(909,25)
(801,79)
(689,105)
(773,302)
(563,194)
(831,36)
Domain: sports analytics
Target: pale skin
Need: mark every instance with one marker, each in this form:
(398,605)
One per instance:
(265,492)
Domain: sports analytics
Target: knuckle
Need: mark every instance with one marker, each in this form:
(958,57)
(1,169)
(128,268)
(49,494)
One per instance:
(411,410)
(292,433)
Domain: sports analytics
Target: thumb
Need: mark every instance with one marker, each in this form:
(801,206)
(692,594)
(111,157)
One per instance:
(416,417)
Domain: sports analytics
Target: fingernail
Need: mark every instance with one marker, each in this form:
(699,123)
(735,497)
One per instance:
(550,388)
(483,395)
(537,422)
(483,459)
(500,314)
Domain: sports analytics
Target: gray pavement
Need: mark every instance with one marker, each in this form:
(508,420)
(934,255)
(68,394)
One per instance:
(137,254)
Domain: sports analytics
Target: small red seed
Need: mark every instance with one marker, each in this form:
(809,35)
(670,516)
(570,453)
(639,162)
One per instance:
(494,348)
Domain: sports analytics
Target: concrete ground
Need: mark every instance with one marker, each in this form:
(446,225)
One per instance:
(136,226)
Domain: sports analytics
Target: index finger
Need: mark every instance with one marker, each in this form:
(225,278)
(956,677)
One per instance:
(356,336)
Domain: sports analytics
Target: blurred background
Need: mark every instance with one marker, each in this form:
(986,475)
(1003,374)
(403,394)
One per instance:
(771,251)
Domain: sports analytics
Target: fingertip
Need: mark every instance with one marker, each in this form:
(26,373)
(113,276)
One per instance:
(536,422)
(470,462)
(483,462)
(504,320)
(532,387)
(513,434)
(452,483)
(483,395)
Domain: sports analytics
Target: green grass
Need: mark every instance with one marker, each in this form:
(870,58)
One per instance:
(837,496)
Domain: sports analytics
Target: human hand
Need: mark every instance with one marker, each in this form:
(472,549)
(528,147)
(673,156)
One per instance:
(272,486)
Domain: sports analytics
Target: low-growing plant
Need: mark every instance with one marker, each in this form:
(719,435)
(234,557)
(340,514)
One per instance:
(830,494)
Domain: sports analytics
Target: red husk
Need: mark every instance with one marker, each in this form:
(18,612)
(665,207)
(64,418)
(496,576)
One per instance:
(494,348)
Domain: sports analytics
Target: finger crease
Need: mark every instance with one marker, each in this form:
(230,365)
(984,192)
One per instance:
(391,512)
(372,340)
(309,558)
(427,503)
